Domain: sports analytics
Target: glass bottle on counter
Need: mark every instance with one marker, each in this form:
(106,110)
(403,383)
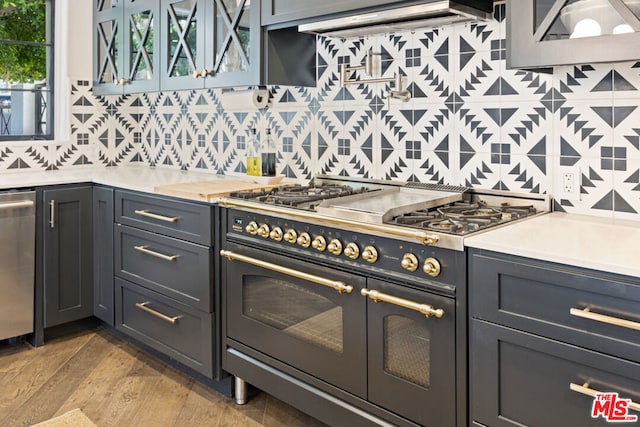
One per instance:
(268,155)
(253,155)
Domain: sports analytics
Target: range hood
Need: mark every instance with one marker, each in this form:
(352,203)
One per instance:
(432,13)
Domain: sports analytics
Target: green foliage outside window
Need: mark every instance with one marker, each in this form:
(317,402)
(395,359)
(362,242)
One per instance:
(23,56)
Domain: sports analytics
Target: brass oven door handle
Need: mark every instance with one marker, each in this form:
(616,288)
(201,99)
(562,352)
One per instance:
(588,391)
(603,318)
(426,309)
(16,205)
(143,306)
(335,284)
(147,251)
(155,216)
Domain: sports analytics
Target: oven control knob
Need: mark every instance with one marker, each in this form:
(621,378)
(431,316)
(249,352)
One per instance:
(304,240)
(431,267)
(335,247)
(263,230)
(319,243)
(252,228)
(409,262)
(352,251)
(291,236)
(276,234)
(370,254)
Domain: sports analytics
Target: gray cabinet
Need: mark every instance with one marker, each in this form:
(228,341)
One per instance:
(544,336)
(520,379)
(163,266)
(217,43)
(170,217)
(126,46)
(545,33)
(179,269)
(177,330)
(103,307)
(279,11)
(67,248)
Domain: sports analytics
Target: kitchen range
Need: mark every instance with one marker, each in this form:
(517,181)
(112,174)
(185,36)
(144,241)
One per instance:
(348,298)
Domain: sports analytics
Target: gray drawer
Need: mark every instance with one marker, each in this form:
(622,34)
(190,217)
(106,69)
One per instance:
(550,300)
(173,328)
(175,268)
(519,379)
(175,218)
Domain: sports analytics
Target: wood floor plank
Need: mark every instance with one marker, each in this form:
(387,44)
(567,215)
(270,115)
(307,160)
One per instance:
(100,385)
(133,391)
(11,366)
(164,405)
(56,390)
(116,384)
(201,404)
(229,417)
(42,364)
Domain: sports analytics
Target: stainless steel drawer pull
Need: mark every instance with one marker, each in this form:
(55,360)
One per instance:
(144,250)
(143,306)
(156,216)
(52,214)
(588,391)
(426,309)
(603,318)
(335,284)
(16,205)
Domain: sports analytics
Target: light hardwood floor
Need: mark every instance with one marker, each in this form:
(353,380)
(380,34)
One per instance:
(115,384)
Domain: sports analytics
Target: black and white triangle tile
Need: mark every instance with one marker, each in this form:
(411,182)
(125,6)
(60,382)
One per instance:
(587,82)
(478,170)
(626,199)
(526,174)
(582,128)
(626,80)
(17,157)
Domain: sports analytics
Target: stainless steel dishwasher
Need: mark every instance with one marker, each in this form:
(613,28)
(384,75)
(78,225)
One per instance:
(17,258)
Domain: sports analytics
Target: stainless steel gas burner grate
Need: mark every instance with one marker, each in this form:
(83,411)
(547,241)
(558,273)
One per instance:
(463,217)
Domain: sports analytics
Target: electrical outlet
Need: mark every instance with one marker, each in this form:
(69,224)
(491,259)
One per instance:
(570,180)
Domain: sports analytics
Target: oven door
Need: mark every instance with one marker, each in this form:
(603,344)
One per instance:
(412,356)
(307,316)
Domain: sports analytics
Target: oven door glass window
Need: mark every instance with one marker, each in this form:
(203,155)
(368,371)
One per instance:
(294,310)
(288,310)
(407,350)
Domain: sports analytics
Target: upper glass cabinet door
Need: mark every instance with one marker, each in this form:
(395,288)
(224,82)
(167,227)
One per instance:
(103,5)
(183,44)
(561,19)
(544,33)
(235,57)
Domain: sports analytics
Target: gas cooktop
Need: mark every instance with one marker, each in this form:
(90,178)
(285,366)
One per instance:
(439,210)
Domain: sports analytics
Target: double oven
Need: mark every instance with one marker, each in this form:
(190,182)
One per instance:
(350,303)
(379,338)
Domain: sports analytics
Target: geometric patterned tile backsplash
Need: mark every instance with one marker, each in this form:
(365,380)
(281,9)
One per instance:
(470,121)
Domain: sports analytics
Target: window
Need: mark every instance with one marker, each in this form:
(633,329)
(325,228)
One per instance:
(26,69)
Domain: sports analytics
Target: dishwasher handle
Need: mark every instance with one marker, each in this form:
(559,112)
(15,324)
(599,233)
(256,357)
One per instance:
(18,204)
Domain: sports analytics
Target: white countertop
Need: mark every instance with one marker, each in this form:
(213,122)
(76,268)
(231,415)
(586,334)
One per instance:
(137,178)
(579,240)
(583,241)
